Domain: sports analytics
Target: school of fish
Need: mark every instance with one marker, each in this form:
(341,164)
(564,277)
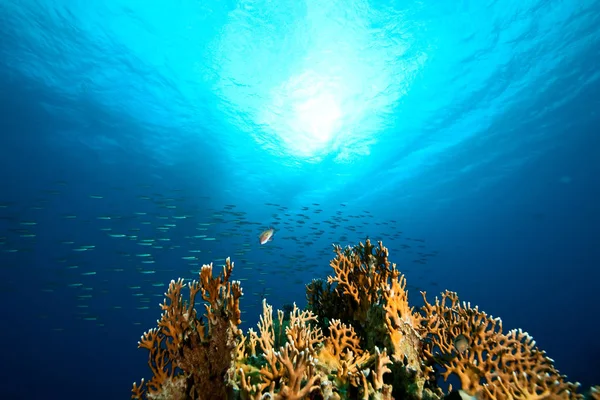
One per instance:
(115,252)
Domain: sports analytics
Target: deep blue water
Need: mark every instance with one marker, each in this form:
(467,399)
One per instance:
(140,140)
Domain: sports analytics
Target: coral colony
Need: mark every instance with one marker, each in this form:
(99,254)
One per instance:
(358,339)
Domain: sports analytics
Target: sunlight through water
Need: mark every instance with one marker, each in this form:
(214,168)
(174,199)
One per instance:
(321,88)
(310,115)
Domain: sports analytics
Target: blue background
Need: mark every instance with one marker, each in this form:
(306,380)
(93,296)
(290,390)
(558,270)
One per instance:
(139,140)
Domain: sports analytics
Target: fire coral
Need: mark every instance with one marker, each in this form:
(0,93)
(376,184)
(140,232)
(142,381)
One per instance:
(358,339)
(190,357)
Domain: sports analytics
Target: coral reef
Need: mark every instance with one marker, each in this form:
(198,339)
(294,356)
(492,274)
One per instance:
(358,338)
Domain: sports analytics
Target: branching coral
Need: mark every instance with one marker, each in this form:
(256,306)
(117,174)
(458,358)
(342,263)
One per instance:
(331,350)
(370,293)
(403,323)
(405,332)
(470,344)
(362,272)
(189,357)
(290,371)
(341,354)
(308,360)
(377,389)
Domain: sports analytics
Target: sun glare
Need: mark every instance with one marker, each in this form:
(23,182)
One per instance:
(317,117)
(305,114)
(324,91)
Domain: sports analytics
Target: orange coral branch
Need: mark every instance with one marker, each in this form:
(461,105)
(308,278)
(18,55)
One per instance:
(362,273)
(488,362)
(403,324)
(297,366)
(342,338)
(187,356)
(300,333)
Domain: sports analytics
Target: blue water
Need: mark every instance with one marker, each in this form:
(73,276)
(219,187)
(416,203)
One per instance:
(139,140)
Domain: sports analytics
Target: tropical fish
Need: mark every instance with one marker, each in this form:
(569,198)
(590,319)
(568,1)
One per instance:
(461,344)
(266,236)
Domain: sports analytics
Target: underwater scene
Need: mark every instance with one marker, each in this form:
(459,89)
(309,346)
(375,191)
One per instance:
(254,199)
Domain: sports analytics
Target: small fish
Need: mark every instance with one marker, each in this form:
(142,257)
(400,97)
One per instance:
(266,236)
(461,344)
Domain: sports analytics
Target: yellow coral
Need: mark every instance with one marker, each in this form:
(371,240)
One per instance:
(188,356)
(289,373)
(403,324)
(300,333)
(342,338)
(342,354)
(331,351)
(296,376)
(493,365)
(361,274)
(377,389)
(163,342)
(379,305)
(303,364)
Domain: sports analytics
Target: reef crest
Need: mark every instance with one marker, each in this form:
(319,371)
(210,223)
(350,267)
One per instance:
(358,338)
